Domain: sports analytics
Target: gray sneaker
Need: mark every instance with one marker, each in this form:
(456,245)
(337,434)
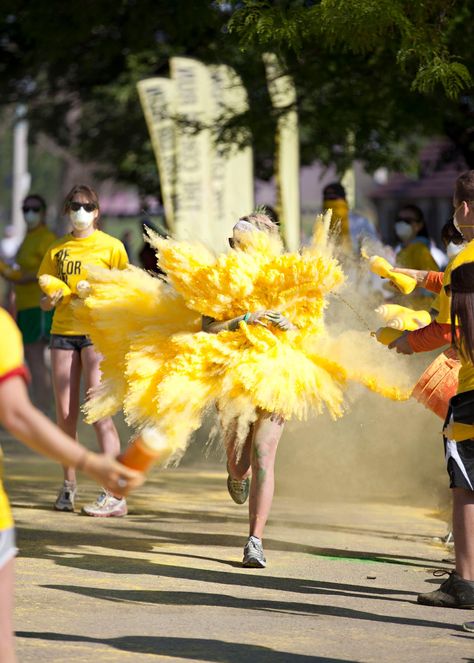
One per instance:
(106,506)
(253,554)
(66,496)
(238,489)
(455,592)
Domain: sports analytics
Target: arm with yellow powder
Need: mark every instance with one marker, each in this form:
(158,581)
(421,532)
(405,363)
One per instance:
(212,326)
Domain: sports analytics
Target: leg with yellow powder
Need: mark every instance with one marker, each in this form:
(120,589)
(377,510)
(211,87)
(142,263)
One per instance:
(267,433)
(238,463)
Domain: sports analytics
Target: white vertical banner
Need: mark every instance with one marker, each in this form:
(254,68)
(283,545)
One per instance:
(194,206)
(283,95)
(157,99)
(231,168)
(348,180)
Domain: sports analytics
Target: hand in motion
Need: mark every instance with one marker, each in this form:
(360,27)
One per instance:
(111,474)
(273,317)
(401,345)
(279,320)
(418,274)
(48,303)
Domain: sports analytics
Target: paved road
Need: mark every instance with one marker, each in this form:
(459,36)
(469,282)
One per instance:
(165,584)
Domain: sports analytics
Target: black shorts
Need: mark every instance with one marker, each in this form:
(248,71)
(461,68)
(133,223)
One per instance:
(62,342)
(460,455)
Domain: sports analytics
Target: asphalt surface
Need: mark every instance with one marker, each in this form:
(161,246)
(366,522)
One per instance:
(165,583)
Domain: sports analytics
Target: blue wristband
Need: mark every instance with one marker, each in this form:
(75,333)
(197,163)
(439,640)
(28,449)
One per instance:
(246,317)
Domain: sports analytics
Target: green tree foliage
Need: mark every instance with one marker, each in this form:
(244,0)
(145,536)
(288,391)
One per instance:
(373,76)
(422,36)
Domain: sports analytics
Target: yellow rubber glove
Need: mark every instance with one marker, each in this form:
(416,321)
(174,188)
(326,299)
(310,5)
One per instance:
(50,285)
(386,335)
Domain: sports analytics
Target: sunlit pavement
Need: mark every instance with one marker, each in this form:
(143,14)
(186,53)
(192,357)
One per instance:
(165,583)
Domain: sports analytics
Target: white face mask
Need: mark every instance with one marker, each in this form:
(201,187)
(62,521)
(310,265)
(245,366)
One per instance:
(81,220)
(403,230)
(32,218)
(453,249)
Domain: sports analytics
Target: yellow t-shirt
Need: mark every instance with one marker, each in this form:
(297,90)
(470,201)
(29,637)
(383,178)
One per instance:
(68,259)
(11,363)
(29,257)
(416,256)
(466,372)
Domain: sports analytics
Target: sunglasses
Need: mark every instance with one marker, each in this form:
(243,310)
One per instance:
(31,208)
(232,242)
(89,207)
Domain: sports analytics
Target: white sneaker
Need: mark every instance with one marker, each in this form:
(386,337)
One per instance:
(253,554)
(106,506)
(66,496)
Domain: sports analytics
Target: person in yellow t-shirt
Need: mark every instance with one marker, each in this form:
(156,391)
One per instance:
(72,353)
(414,251)
(34,323)
(19,416)
(458,590)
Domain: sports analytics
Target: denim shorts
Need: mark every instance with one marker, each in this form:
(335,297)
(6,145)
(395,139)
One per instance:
(77,342)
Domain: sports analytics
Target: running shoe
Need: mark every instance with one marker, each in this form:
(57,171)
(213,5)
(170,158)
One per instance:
(106,506)
(455,592)
(253,554)
(238,488)
(468,626)
(66,496)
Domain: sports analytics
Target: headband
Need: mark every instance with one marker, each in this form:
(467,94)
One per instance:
(243,226)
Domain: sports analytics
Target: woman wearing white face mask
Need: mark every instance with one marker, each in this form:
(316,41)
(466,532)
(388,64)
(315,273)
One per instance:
(411,230)
(72,353)
(414,252)
(34,323)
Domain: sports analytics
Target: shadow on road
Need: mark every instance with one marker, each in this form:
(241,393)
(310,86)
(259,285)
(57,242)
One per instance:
(216,651)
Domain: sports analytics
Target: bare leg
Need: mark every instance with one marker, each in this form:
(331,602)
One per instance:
(267,432)
(34,354)
(241,468)
(105,430)
(66,371)
(463,531)
(7,650)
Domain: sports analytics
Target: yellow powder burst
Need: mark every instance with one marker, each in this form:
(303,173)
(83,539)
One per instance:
(165,373)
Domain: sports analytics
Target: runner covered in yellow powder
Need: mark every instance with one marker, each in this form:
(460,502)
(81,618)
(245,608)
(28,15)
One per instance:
(263,355)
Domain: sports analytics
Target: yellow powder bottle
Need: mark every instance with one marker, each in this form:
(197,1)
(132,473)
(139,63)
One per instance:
(381,267)
(148,448)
